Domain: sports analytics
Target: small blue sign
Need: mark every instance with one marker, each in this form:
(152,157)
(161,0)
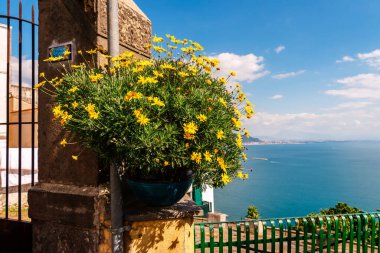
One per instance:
(63,51)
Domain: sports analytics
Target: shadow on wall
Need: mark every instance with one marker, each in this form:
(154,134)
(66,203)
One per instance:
(160,236)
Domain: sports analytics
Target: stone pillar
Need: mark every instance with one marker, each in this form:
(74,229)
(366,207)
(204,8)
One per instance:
(68,207)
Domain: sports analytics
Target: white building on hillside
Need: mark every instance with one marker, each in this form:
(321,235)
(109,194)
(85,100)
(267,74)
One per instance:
(3,79)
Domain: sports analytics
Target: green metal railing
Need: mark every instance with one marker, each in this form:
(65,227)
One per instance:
(353,233)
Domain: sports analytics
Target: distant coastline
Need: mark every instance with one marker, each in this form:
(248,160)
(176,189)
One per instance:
(257,141)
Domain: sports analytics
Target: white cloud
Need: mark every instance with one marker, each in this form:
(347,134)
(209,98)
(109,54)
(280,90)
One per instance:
(276,97)
(351,105)
(248,67)
(345,59)
(26,71)
(372,58)
(337,125)
(289,74)
(279,49)
(355,93)
(359,86)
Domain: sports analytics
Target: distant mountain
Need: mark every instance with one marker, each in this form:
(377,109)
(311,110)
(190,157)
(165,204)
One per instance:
(251,139)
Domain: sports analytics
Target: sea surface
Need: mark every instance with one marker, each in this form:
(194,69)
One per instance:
(291,180)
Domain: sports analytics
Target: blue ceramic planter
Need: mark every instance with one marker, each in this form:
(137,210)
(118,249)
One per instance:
(159,193)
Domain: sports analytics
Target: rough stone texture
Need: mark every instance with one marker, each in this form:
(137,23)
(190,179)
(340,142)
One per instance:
(135,27)
(62,22)
(70,239)
(65,204)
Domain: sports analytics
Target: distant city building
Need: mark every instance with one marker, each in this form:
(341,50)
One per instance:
(13,96)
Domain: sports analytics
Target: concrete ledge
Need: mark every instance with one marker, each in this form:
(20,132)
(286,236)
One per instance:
(185,208)
(70,205)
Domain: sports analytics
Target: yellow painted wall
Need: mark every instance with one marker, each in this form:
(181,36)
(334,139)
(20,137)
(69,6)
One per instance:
(159,236)
(26,116)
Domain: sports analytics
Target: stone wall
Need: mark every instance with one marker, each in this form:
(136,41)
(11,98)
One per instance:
(66,207)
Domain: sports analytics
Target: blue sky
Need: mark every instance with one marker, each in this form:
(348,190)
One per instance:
(310,67)
(323,82)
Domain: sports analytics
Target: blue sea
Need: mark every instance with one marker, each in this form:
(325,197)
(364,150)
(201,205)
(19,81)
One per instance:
(296,179)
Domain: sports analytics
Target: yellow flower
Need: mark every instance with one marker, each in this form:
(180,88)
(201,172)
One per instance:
(127,55)
(66,53)
(158,102)
(187,50)
(193,69)
(167,66)
(225,179)
(237,112)
(75,104)
(57,111)
(112,71)
(76,66)
(241,97)
(239,140)
(144,63)
(42,74)
(220,135)
(232,73)
(246,133)
(208,156)
(95,78)
(209,82)
(157,39)
(157,74)
(59,82)
(222,164)
(166,163)
(248,109)
(216,151)
(90,108)
(190,128)
(73,89)
(223,102)
(187,145)
(63,142)
(240,175)
(222,80)
(183,74)
(197,157)
(65,116)
(145,80)
(54,59)
(188,136)
(143,120)
(137,113)
(132,95)
(201,117)
(92,51)
(39,85)
(236,123)
(244,156)
(137,69)
(80,52)
(159,49)
(75,157)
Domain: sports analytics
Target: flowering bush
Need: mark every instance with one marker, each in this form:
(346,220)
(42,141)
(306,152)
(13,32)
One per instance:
(156,118)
